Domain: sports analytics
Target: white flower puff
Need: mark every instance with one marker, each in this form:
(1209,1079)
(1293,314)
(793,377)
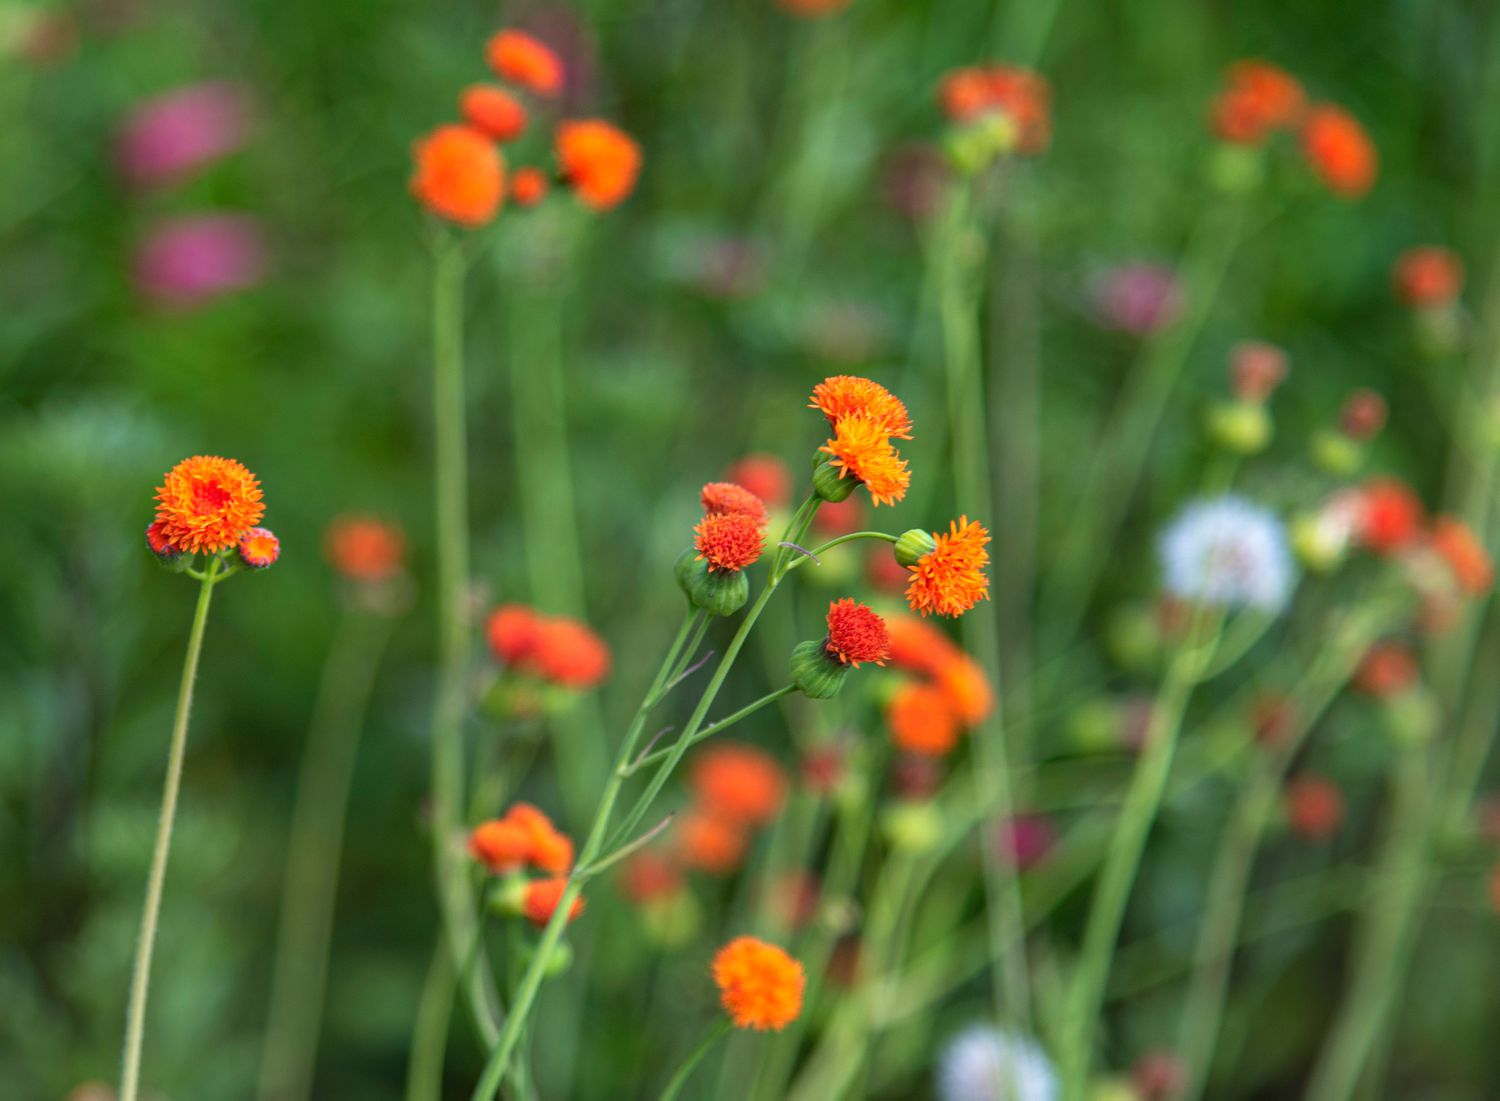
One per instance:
(1228,552)
(988,1064)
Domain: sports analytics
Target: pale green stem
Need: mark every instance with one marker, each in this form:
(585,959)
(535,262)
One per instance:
(713,728)
(424,1071)
(140,976)
(674,1087)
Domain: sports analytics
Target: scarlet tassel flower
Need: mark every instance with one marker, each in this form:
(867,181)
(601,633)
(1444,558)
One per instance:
(1260,99)
(840,396)
(861,449)
(922,721)
(710,843)
(760,985)
(542,899)
(259,548)
(519,59)
(738,783)
(511,631)
(1018,94)
(950,579)
(728,541)
(856,634)
(1339,151)
(1387,669)
(524,836)
(599,161)
(364,549)
(493,111)
(206,504)
(727,497)
(569,653)
(460,175)
(1390,516)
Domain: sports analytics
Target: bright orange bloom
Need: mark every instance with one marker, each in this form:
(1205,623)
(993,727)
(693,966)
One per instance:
(528,186)
(1456,543)
(950,579)
(1259,99)
(259,548)
(1428,276)
(542,898)
(1390,515)
(856,634)
(363,549)
(522,60)
(500,845)
(206,503)
(841,396)
(647,876)
(512,631)
(550,849)
(812,9)
(1314,807)
(729,541)
(861,448)
(766,476)
(710,843)
(493,111)
(569,653)
(1019,94)
(1339,151)
(460,175)
(919,646)
(967,688)
(738,783)
(760,986)
(727,497)
(600,161)
(1387,669)
(922,720)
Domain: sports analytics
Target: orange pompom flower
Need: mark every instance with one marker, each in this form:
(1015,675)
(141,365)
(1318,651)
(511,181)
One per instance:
(841,396)
(950,579)
(512,631)
(205,504)
(1260,98)
(1390,515)
(1458,546)
(493,111)
(259,548)
(967,688)
(766,476)
(568,653)
(919,646)
(760,986)
(709,843)
(1339,151)
(522,60)
(729,541)
(726,497)
(528,186)
(922,721)
(542,898)
(460,175)
(599,160)
(856,634)
(861,448)
(1018,93)
(1428,276)
(500,845)
(364,549)
(738,783)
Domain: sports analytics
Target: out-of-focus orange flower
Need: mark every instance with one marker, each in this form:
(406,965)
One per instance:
(860,448)
(259,548)
(522,60)
(918,645)
(525,835)
(950,579)
(812,9)
(1018,93)
(1314,807)
(1339,151)
(728,541)
(1259,98)
(710,843)
(567,652)
(760,986)
(835,518)
(364,549)
(1363,415)
(729,497)
(599,160)
(1390,515)
(542,899)
(922,720)
(766,476)
(511,631)
(967,688)
(738,783)
(856,634)
(206,503)
(493,111)
(528,186)
(648,876)
(884,572)
(1256,369)
(1456,543)
(1387,669)
(459,175)
(1428,276)
(840,396)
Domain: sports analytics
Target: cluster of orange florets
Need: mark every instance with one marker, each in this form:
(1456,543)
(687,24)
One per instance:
(364,549)
(945,693)
(865,417)
(554,648)
(731,534)
(460,172)
(950,579)
(1259,100)
(1019,94)
(856,634)
(760,985)
(525,839)
(1428,277)
(737,789)
(208,505)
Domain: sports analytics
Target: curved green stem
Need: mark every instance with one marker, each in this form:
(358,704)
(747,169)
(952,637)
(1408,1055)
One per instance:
(674,1087)
(713,728)
(842,539)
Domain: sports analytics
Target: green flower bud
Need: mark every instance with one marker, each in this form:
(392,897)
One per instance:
(913,827)
(1241,427)
(1337,453)
(717,592)
(914,545)
(1319,545)
(818,674)
(558,962)
(1235,169)
(828,484)
(507,896)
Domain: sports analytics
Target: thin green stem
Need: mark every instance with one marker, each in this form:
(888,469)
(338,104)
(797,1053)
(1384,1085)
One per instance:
(674,1087)
(713,728)
(140,976)
(424,1070)
(842,539)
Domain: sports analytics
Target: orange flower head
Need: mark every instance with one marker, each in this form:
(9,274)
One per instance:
(648,876)
(493,111)
(364,549)
(1314,807)
(525,835)
(600,161)
(738,783)
(813,9)
(918,646)
(512,631)
(710,843)
(766,476)
(729,541)
(1458,546)
(517,57)
(542,899)
(259,548)
(1339,151)
(760,986)
(570,654)
(528,186)
(1260,98)
(856,634)
(1387,669)
(500,845)
(1026,99)
(841,396)
(1235,116)
(950,579)
(460,175)
(967,688)
(922,721)
(156,539)
(206,503)
(835,518)
(861,448)
(1428,276)
(1390,515)
(726,497)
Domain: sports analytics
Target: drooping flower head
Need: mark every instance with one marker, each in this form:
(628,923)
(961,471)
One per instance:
(493,111)
(738,783)
(922,720)
(861,448)
(542,899)
(760,986)
(599,161)
(364,549)
(1339,151)
(1228,552)
(459,175)
(207,503)
(950,579)
(987,1064)
(519,59)
(1428,276)
(259,548)
(841,396)
(726,497)
(856,634)
(729,541)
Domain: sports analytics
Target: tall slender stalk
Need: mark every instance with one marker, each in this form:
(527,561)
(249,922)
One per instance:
(145,945)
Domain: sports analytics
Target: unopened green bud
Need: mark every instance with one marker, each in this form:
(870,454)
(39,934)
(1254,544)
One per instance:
(914,827)
(1337,453)
(914,545)
(507,896)
(718,592)
(830,485)
(1319,545)
(1235,169)
(1241,427)
(817,673)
